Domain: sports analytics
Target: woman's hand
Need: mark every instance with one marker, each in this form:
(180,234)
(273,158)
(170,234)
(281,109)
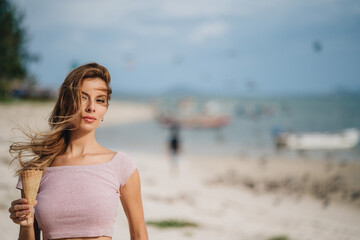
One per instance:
(19,211)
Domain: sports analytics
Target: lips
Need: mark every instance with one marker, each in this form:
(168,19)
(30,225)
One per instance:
(89,119)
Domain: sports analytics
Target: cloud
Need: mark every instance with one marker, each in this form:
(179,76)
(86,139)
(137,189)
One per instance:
(170,18)
(207,31)
(125,46)
(93,14)
(196,9)
(140,28)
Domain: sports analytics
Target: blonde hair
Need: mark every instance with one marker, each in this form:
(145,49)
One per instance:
(43,147)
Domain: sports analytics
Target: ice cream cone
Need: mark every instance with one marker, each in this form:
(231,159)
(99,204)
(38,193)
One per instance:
(31,182)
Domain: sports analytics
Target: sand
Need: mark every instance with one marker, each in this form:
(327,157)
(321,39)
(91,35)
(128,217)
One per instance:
(230,198)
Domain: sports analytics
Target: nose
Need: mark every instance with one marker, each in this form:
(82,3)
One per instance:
(90,107)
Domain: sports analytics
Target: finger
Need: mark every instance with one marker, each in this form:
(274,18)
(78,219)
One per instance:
(19,201)
(20,219)
(19,207)
(19,214)
(15,215)
(35,203)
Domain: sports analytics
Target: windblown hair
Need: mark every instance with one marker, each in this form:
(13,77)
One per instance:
(43,147)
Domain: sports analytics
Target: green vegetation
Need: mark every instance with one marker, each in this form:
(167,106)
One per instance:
(172,223)
(14,56)
(281,237)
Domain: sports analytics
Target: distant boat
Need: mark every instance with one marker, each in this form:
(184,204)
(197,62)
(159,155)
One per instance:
(195,121)
(188,115)
(344,139)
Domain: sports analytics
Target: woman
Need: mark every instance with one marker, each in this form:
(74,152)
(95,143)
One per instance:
(82,181)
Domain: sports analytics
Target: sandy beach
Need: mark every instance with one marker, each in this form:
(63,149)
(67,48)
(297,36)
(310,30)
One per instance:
(236,197)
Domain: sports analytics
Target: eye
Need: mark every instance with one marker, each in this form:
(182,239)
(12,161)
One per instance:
(100,100)
(84,97)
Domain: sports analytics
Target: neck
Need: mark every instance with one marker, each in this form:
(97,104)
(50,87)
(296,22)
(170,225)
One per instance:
(81,143)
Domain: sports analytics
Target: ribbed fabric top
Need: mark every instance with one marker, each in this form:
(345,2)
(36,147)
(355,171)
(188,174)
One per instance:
(81,200)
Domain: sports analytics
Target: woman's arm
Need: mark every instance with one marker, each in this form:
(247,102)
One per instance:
(131,201)
(26,233)
(26,229)
(30,233)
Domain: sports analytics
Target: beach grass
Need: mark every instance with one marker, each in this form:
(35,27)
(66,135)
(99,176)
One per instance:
(172,223)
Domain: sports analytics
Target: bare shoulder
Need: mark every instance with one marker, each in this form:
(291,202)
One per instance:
(105,152)
(102,155)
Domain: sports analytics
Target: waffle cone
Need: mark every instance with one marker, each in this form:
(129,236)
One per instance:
(31,182)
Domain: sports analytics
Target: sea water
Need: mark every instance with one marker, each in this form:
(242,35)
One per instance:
(254,123)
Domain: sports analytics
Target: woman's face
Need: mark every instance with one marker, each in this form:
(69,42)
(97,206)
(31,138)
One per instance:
(94,103)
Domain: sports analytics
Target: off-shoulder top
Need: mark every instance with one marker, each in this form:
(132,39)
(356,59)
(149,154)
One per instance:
(81,200)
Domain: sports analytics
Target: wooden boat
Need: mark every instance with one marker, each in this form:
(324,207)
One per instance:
(191,114)
(344,139)
(196,121)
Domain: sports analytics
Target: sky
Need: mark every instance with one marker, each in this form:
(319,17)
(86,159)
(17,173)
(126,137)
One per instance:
(209,46)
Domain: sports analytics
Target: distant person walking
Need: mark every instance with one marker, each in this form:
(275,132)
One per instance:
(174,147)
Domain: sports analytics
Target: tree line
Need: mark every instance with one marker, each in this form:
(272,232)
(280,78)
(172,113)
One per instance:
(14,54)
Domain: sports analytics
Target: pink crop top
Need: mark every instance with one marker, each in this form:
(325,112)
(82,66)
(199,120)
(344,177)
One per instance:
(81,200)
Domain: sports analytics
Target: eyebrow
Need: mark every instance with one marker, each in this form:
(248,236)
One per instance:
(102,89)
(96,96)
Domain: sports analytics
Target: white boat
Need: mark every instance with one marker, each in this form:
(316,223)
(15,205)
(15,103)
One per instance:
(345,139)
